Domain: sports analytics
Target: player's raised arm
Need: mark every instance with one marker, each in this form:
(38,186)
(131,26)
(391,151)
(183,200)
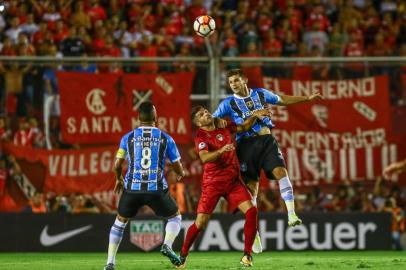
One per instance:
(206,156)
(285,100)
(249,122)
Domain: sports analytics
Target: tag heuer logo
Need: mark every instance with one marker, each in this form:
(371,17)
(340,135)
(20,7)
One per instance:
(146,234)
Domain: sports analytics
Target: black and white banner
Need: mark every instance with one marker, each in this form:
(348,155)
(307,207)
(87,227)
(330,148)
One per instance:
(320,231)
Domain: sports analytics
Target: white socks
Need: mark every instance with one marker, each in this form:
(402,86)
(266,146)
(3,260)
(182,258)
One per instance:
(172,229)
(116,234)
(286,190)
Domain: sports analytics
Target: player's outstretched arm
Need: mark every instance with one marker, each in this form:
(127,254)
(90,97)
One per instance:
(286,100)
(178,168)
(206,156)
(118,170)
(395,168)
(249,122)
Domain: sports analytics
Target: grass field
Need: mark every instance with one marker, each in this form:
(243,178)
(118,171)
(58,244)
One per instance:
(207,260)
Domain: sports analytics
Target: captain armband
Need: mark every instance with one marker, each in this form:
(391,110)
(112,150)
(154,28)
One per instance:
(120,153)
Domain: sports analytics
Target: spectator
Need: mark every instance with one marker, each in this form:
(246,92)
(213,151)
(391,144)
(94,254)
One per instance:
(82,204)
(289,45)
(22,135)
(354,48)
(124,39)
(85,67)
(147,49)
(13,74)
(51,16)
(80,18)
(316,38)
(398,221)
(36,204)
(61,32)
(184,65)
(252,71)
(72,45)
(35,135)
(96,12)
(14,30)
(5,132)
(29,26)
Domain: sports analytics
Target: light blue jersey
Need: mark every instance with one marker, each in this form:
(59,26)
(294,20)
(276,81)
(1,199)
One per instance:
(146,149)
(240,108)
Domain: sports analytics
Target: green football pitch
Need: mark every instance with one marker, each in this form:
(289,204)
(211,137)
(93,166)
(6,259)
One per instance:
(207,260)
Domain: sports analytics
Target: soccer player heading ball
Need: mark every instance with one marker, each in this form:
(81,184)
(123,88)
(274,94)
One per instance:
(221,178)
(257,148)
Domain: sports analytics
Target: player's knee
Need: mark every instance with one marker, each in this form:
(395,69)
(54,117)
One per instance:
(177,219)
(201,223)
(279,172)
(252,187)
(122,219)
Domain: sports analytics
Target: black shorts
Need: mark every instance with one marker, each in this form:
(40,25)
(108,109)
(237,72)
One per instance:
(161,202)
(259,152)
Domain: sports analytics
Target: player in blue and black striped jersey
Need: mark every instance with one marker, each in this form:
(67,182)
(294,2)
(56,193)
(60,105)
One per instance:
(257,149)
(146,148)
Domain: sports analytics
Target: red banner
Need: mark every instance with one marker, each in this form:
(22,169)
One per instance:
(67,171)
(348,135)
(99,108)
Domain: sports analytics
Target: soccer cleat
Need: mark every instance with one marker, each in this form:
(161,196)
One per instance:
(182,262)
(294,220)
(109,266)
(257,246)
(168,252)
(246,260)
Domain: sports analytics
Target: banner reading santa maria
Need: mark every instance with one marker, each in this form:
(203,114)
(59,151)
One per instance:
(100,108)
(347,135)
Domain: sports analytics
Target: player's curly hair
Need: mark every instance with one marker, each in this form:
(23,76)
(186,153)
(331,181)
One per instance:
(194,111)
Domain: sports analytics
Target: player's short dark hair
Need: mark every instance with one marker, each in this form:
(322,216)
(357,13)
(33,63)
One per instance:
(235,71)
(146,112)
(194,111)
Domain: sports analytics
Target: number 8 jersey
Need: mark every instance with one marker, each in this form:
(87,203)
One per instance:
(146,149)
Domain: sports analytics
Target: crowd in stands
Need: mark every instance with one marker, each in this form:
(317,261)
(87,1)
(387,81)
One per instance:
(131,28)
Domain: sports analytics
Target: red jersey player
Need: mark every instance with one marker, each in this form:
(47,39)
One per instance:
(221,178)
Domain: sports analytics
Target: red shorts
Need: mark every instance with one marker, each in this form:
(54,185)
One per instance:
(235,193)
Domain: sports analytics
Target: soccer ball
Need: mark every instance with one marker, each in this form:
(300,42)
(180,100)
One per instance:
(204,25)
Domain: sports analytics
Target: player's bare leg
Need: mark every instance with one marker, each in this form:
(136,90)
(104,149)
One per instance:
(250,229)
(200,224)
(253,187)
(172,230)
(116,234)
(286,189)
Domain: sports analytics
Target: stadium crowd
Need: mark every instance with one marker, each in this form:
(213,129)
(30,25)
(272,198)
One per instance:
(163,28)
